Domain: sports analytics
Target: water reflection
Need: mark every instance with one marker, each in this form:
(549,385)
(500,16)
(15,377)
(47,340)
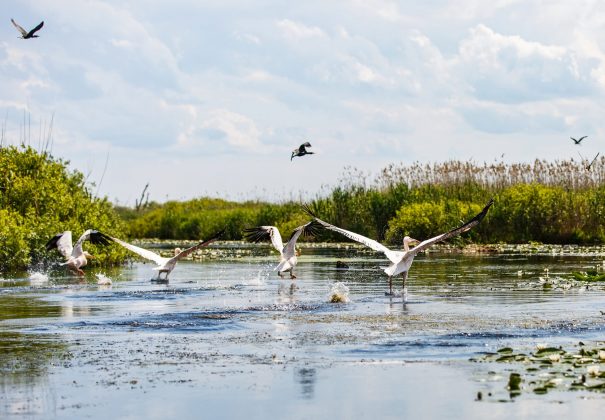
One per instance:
(306,377)
(219,318)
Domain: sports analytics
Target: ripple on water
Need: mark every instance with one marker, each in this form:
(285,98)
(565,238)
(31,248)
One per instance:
(171,322)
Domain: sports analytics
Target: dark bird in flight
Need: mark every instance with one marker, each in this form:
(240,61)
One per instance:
(593,161)
(30,34)
(578,140)
(301,150)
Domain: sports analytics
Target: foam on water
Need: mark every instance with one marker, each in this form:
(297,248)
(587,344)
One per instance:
(339,293)
(38,279)
(103,280)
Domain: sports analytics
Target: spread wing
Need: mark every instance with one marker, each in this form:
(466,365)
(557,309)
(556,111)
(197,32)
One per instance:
(454,232)
(202,244)
(263,233)
(19,28)
(308,229)
(36,29)
(394,256)
(145,253)
(62,242)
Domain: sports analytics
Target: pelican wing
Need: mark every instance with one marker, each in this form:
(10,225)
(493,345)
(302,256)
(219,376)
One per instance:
(202,244)
(62,242)
(393,256)
(19,28)
(36,29)
(145,253)
(94,237)
(454,232)
(263,233)
(308,229)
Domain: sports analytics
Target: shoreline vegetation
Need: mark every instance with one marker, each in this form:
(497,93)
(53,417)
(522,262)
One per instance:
(560,202)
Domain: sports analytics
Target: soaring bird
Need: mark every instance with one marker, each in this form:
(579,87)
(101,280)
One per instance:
(301,150)
(401,261)
(30,34)
(289,256)
(75,256)
(578,141)
(164,264)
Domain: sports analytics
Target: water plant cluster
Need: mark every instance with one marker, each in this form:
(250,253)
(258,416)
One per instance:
(547,368)
(550,202)
(40,197)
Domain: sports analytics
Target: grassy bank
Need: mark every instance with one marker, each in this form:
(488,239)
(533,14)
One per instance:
(549,202)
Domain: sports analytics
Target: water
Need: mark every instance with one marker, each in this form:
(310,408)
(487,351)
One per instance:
(226,338)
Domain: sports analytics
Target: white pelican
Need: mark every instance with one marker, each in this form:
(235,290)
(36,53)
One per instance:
(75,256)
(166,265)
(301,150)
(288,253)
(402,261)
(25,34)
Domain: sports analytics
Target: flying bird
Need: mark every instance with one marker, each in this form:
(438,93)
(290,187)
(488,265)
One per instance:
(75,256)
(577,141)
(301,150)
(25,34)
(166,265)
(288,253)
(593,161)
(401,261)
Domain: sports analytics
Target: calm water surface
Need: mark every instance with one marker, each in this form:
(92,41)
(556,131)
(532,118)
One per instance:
(226,338)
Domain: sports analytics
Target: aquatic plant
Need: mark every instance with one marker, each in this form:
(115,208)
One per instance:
(547,368)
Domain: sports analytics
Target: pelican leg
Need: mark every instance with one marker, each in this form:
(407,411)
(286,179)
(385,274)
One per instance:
(292,276)
(390,286)
(80,272)
(279,274)
(404,292)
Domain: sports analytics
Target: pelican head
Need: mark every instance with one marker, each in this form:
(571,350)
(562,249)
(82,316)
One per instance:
(177,251)
(297,252)
(407,241)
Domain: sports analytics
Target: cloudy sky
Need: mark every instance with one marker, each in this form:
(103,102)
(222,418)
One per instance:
(210,97)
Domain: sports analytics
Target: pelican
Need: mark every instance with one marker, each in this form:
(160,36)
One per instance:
(288,253)
(166,265)
(75,256)
(301,150)
(578,141)
(402,261)
(25,34)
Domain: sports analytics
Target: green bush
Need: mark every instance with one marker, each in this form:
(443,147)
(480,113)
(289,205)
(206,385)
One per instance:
(40,197)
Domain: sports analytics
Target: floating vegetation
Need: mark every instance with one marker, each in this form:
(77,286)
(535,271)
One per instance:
(550,368)
(593,275)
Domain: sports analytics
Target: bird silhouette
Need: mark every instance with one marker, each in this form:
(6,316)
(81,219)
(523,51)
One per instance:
(301,150)
(30,34)
(577,141)
(593,161)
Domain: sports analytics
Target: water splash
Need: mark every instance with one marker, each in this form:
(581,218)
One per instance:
(103,280)
(339,293)
(38,279)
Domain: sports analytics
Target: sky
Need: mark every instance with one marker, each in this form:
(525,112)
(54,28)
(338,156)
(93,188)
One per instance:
(208,98)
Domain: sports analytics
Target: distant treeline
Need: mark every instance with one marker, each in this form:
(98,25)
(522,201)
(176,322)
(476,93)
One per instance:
(40,197)
(549,202)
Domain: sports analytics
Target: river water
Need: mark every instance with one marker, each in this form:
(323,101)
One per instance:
(226,338)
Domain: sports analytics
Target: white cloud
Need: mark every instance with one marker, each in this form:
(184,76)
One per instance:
(367,82)
(297,30)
